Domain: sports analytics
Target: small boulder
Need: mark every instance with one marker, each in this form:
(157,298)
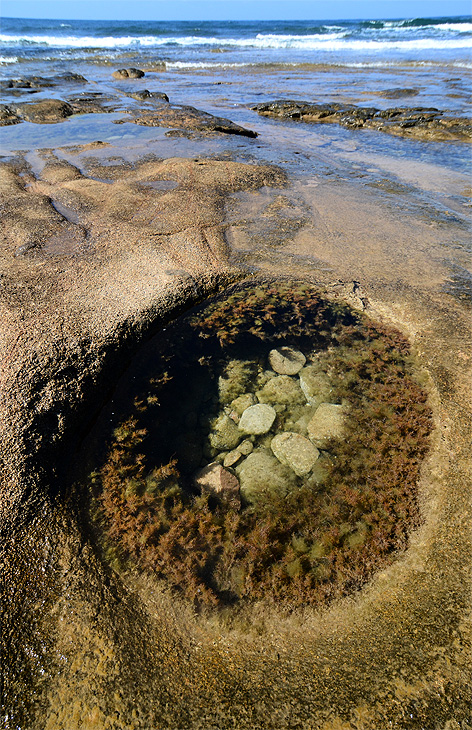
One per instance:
(225,434)
(283,390)
(295,451)
(261,475)
(257,419)
(316,385)
(232,457)
(220,482)
(242,402)
(327,423)
(128,73)
(286,360)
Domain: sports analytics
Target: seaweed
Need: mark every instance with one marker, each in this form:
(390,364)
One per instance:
(318,542)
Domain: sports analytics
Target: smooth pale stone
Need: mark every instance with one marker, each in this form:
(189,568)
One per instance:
(257,419)
(327,423)
(262,475)
(225,434)
(242,402)
(282,390)
(216,480)
(316,385)
(295,451)
(286,361)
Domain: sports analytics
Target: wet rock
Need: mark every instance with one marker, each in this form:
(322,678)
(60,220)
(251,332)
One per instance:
(185,118)
(327,423)
(419,122)
(128,73)
(316,385)
(242,402)
(282,390)
(232,457)
(236,380)
(8,116)
(261,475)
(397,93)
(245,447)
(295,451)
(257,419)
(220,482)
(286,360)
(93,103)
(144,95)
(46,111)
(225,433)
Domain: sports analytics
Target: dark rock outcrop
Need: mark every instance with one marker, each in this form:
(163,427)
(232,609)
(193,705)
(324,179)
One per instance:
(187,118)
(426,123)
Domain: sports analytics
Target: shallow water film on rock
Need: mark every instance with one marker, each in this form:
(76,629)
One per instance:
(267,446)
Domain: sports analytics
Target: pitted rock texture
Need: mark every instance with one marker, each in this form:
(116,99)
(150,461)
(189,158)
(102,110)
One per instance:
(419,122)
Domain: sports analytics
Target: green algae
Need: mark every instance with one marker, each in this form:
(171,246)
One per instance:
(352,515)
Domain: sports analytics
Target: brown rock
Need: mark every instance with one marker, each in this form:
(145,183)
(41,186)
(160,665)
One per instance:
(220,482)
(128,73)
(46,111)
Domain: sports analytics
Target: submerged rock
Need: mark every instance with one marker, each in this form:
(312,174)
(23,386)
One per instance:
(327,423)
(295,451)
(220,482)
(225,434)
(286,360)
(282,390)
(316,385)
(261,475)
(257,419)
(236,380)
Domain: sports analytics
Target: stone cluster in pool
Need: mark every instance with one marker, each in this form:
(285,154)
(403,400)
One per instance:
(273,427)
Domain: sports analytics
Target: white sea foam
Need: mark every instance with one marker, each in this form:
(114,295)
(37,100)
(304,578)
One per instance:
(315,42)
(8,59)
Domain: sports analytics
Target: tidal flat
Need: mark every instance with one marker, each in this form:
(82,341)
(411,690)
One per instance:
(111,234)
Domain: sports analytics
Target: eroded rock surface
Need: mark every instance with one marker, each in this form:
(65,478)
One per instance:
(418,122)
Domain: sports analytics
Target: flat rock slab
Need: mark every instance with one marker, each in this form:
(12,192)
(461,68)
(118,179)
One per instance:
(286,360)
(220,482)
(186,117)
(257,419)
(419,122)
(295,451)
(327,423)
(46,111)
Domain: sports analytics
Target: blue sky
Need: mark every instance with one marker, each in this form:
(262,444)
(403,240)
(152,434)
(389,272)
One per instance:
(231,9)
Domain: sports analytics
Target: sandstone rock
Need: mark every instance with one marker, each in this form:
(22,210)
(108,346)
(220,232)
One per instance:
(46,111)
(225,434)
(8,116)
(315,385)
(327,423)
(295,451)
(232,457)
(257,419)
(128,73)
(286,360)
(146,94)
(283,390)
(185,118)
(262,475)
(220,482)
